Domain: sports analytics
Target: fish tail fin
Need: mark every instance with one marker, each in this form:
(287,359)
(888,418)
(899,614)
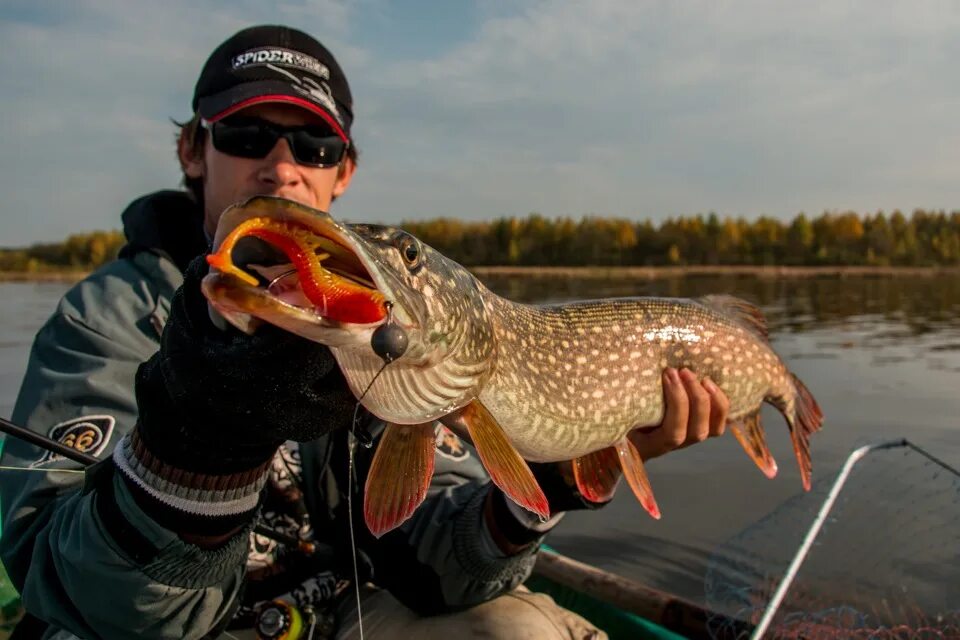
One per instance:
(804,420)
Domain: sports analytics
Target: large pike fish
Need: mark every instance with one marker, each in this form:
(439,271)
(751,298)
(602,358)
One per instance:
(522,382)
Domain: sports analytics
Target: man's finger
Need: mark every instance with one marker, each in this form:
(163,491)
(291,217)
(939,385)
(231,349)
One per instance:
(698,424)
(673,430)
(719,407)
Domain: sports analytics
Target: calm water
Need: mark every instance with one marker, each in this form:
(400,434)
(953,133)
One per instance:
(882,357)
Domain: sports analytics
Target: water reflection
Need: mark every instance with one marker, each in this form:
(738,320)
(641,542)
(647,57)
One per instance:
(921,304)
(882,356)
(870,312)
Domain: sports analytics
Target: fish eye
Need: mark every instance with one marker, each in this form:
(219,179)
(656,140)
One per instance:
(409,250)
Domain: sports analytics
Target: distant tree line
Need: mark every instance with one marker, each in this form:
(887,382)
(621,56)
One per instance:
(925,238)
(79,252)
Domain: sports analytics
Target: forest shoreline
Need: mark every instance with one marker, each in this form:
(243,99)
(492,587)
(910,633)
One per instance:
(629,272)
(758,271)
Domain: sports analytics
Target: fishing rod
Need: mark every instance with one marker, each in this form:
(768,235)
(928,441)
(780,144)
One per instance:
(46,443)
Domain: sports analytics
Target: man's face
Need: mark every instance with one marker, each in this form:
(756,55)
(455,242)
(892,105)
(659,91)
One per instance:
(229,179)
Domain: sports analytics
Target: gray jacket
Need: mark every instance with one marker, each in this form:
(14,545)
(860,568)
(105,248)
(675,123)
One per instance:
(86,559)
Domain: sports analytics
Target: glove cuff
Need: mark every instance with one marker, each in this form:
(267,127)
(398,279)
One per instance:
(182,498)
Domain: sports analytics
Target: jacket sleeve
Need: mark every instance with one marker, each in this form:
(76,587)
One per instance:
(444,558)
(84,557)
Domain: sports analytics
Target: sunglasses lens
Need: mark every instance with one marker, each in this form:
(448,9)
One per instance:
(253,138)
(317,148)
(245,140)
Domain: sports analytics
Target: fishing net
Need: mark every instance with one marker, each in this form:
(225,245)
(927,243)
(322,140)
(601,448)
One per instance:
(886,563)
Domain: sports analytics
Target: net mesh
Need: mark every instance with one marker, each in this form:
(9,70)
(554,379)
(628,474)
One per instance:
(886,563)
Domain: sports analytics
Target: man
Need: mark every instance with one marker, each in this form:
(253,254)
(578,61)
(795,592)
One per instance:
(201,431)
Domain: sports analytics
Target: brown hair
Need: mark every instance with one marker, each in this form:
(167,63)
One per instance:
(193,131)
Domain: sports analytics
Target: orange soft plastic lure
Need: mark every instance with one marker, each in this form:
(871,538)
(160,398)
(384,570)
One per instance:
(334,297)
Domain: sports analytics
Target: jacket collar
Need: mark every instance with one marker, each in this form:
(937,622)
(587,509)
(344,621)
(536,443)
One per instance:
(168,223)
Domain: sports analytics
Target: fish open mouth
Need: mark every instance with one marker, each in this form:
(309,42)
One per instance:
(298,259)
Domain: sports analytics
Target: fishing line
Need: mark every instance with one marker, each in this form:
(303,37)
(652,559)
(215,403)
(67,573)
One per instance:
(389,341)
(280,277)
(352,447)
(352,439)
(313,621)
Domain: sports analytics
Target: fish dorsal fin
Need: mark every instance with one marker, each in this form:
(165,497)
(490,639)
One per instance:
(399,476)
(740,310)
(507,469)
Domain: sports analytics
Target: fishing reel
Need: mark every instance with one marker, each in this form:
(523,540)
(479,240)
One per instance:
(280,620)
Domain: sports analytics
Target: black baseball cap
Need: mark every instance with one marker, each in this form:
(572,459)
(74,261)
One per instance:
(274,64)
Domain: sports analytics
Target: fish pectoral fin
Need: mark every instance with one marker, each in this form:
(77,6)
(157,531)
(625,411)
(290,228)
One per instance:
(597,474)
(399,476)
(636,475)
(507,469)
(749,432)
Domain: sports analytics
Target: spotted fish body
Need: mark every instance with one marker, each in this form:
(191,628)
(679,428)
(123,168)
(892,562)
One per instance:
(541,383)
(574,378)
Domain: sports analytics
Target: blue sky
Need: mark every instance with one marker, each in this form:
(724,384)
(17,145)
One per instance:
(634,108)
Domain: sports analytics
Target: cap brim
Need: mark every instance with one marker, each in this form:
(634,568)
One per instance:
(225,103)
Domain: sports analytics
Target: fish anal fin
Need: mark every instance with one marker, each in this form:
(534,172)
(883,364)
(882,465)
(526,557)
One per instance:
(806,420)
(597,474)
(506,467)
(636,475)
(399,476)
(749,433)
(740,310)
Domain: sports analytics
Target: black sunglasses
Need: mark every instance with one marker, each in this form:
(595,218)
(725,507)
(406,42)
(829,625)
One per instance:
(312,145)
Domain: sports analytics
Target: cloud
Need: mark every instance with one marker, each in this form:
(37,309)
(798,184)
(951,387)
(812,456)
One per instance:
(89,93)
(648,108)
(746,107)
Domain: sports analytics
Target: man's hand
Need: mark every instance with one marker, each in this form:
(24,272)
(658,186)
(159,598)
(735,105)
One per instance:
(213,408)
(694,410)
(215,401)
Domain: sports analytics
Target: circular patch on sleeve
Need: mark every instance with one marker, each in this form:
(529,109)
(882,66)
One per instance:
(86,434)
(449,445)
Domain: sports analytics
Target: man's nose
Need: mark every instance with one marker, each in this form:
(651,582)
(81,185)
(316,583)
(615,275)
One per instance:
(279,166)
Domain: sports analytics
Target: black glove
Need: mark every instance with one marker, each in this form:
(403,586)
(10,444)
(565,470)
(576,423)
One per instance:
(560,488)
(221,402)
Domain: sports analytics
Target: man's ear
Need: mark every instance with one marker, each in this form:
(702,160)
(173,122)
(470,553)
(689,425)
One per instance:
(344,176)
(190,154)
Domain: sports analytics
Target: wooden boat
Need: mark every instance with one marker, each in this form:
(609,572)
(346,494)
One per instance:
(623,608)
